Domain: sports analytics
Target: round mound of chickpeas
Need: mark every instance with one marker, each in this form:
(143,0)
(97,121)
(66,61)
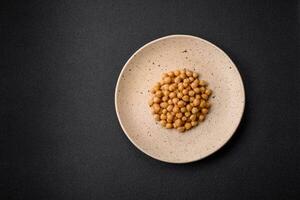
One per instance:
(180,100)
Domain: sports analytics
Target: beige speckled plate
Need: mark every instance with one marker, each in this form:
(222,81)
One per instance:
(145,67)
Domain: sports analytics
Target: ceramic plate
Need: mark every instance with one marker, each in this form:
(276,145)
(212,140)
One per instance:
(144,69)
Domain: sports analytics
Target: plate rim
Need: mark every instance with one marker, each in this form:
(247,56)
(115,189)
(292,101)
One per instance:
(154,41)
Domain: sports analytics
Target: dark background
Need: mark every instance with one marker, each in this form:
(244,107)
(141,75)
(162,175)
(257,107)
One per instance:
(60,137)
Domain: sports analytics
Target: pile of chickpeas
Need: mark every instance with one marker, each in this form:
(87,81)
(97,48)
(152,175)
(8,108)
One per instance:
(180,100)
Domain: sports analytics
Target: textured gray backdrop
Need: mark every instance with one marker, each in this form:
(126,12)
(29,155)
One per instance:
(60,137)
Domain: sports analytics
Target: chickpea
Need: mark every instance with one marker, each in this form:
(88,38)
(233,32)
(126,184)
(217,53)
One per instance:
(182,75)
(170,101)
(207,104)
(156,107)
(197,90)
(185,98)
(202,89)
(188,126)
(164,75)
(179,115)
(156,100)
(163,122)
(193,117)
(153,91)
(202,82)
(171,74)
(171,88)
(166,92)
(164,104)
(170,108)
(178,122)
(185,85)
(156,117)
(191,79)
(180,87)
(167,80)
(192,99)
(163,117)
(198,96)
(184,118)
(175,100)
(187,114)
(169,125)
(164,111)
(159,93)
(157,84)
(196,102)
(195,110)
(194,123)
(195,75)
(202,104)
(179,95)
(170,118)
(176,72)
(204,96)
(201,117)
(183,109)
(153,110)
(164,98)
(181,129)
(150,102)
(204,110)
(171,113)
(185,91)
(177,79)
(189,73)
(186,80)
(175,109)
(208,92)
(173,81)
(165,87)
(172,95)
(181,104)
(191,93)
(194,85)
(174,125)
(189,107)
